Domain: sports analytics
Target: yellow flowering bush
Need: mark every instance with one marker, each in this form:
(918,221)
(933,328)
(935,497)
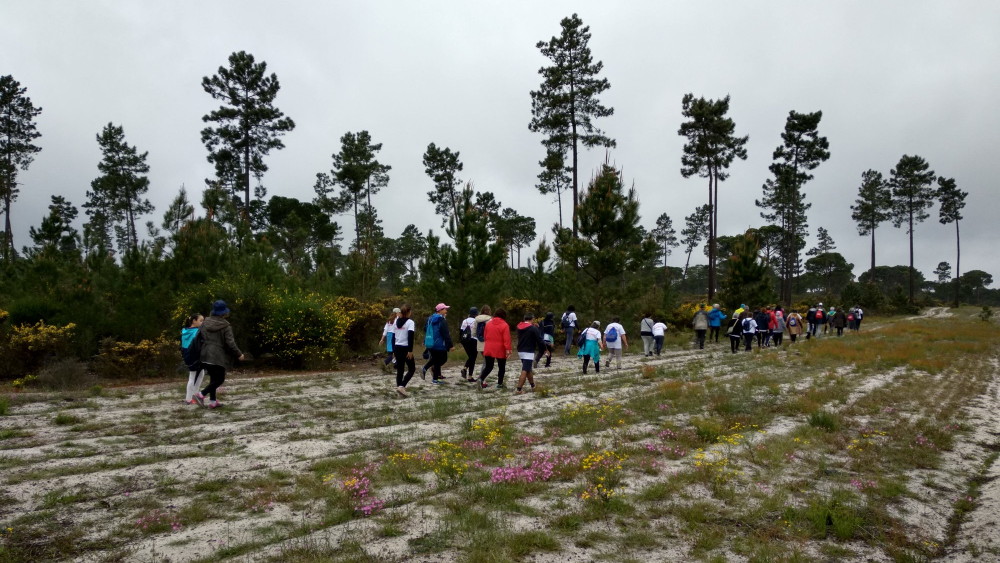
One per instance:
(146,358)
(602,470)
(24,348)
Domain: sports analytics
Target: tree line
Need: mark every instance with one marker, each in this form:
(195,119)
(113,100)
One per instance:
(603,259)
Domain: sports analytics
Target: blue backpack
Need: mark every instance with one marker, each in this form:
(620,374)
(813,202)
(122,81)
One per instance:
(430,334)
(612,335)
(481,331)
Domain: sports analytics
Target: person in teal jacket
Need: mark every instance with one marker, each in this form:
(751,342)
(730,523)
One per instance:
(715,318)
(593,342)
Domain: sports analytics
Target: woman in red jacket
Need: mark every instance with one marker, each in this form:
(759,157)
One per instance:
(496,347)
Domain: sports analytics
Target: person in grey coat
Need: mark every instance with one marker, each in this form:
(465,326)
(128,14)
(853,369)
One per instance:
(217,352)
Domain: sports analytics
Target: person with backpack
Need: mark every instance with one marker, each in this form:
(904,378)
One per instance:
(191,354)
(497,347)
(700,324)
(858,315)
(387,337)
(616,341)
(646,333)
(469,343)
(529,340)
(659,331)
(735,331)
(715,318)
(810,322)
(819,320)
(217,350)
(568,323)
(794,325)
(437,339)
(548,328)
(591,343)
(778,318)
(478,332)
(403,339)
(749,329)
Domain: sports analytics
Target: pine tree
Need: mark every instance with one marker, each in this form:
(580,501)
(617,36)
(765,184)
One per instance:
(358,174)
(565,105)
(943,272)
(747,279)
(912,196)
(180,212)
(952,202)
(824,243)
(17,149)
(710,149)
(873,206)
(442,166)
(554,177)
(117,195)
(248,125)
(801,151)
(56,234)
(665,236)
(696,229)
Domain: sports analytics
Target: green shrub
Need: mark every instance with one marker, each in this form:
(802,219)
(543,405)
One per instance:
(26,348)
(128,361)
(825,420)
(65,374)
(4,405)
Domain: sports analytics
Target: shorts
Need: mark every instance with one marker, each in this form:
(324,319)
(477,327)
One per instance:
(527,365)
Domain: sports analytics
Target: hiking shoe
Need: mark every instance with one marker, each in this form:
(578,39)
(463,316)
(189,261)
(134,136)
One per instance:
(464,371)
(191,402)
(483,385)
(199,398)
(423,374)
(437,382)
(500,386)
(402,391)
(214,405)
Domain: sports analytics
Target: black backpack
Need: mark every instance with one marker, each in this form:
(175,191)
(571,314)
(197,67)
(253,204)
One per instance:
(565,321)
(481,331)
(192,354)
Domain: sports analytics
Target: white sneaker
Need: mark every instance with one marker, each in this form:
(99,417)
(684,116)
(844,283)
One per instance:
(402,392)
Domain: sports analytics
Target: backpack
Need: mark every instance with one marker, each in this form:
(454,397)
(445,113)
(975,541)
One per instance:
(819,315)
(582,341)
(792,321)
(467,332)
(612,335)
(430,334)
(192,354)
(746,325)
(850,317)
(565,321)
(481,331)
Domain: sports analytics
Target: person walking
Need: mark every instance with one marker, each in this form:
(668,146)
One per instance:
(469,343)
(715,318)
(387,337)
(548,328)
(700,324)
(761,319)
(858,315)
(479,331)
(838,320)
(616,341)
(403,338)
(646,333)
(191,354)
(497,348)
(794,325)
(659,330)
(778,334)
(749,330)
(735,331)
(811,322)
(437,339)
(529,341)
(593,343)
(217,351)
(568,323)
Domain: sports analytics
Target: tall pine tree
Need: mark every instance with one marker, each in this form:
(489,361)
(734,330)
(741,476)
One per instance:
(358,174)
(443,166)
(711,148)
(801,151)
(118,194)
(17,148)
(912,196)
(952,202)
(565,105)
(872,208)
(246,127)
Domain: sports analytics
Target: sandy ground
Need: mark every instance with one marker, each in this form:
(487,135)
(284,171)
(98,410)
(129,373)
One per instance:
(288,423)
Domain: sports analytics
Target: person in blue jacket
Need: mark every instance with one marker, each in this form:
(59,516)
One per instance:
(437,339)
(715,318)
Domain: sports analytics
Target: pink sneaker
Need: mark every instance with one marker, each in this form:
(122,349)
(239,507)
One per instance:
(199,398)
(214,405)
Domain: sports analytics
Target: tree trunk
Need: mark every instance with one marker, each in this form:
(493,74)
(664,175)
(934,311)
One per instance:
(8,239)
(572,121)
(872,275)
(911,256)
(958,264)
(711,237)
(559,200)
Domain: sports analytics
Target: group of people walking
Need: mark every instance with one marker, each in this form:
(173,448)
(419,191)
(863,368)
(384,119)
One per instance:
(208,346)
(767,326)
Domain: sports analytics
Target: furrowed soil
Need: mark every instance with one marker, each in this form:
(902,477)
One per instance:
(881,445)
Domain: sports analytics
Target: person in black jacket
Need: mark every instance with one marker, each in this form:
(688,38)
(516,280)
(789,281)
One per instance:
(762,319)
(529,340)
(548,328)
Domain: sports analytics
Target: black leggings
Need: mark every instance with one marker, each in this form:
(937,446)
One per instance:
(470,349)
(403,362)
(488,367)
(217,376)
(438,359)
(713,332)
(586,361)
(748,339)
(734,343)
(776,338)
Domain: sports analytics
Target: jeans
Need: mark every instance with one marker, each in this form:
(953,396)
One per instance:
(569,338)
(647,344)
(659,343)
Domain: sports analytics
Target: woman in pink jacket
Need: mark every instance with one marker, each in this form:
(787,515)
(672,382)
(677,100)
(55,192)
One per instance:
(496,347)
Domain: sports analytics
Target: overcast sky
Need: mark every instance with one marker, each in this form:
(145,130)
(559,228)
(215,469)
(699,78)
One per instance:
(891,77)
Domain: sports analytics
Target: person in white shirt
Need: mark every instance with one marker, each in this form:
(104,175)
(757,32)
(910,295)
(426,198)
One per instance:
(402,348)
(659,329)
(592,345)
(568,323)
(468,337)
(614,337)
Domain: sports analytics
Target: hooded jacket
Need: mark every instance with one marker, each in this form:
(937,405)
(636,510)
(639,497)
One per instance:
(700,321)
(442,336)
(529,337)
(219,347)
(497,335)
